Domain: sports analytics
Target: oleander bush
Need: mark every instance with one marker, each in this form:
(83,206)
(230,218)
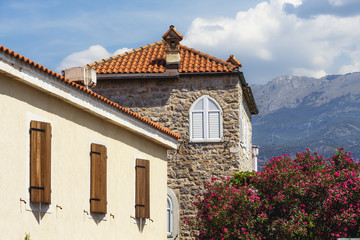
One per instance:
(307,197)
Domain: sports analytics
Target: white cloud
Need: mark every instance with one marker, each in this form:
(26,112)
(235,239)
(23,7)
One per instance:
(338,3)
(355,62)
(251,29)
(90,55)
(267,34)
(121,51)
(350,68)
(309,73)
(94,53)
(355,65)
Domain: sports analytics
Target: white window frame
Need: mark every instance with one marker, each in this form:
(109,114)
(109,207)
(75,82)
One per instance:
(205,120)
(174,235)
(170,217)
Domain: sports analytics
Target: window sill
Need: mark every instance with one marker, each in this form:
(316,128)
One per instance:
(138,221)
(38,207)
(206,141)
(98,216)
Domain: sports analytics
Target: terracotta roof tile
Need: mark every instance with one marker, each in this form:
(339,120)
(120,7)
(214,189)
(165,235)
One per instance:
(151,59)
(91,93)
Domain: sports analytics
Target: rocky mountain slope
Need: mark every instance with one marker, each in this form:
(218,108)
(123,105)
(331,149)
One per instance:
(301,112)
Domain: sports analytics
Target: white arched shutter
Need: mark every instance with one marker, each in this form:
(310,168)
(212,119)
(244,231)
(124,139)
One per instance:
(213,119)
(198,125)
(198,120)
(205,120)
(214,124)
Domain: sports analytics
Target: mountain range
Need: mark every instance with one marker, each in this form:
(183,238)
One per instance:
(296,113)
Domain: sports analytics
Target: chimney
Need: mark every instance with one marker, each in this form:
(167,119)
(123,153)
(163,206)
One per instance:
(81,75)
(172,39)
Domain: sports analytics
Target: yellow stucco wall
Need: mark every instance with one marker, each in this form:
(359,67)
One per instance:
(73,130)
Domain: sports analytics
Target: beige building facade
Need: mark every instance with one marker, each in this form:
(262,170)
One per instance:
(75,165)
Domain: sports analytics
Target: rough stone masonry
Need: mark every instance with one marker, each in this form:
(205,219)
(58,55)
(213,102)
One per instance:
(167,101)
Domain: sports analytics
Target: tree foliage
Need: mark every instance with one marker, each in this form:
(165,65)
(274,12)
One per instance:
(308,197)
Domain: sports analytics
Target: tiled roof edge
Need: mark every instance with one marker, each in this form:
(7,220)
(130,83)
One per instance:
(207,56)
(91,93)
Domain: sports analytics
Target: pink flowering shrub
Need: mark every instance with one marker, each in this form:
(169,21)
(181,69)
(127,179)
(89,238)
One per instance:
(308,197)
(225,211)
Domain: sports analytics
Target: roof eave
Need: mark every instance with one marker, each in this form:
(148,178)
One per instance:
(114,76)
(248,95)
(56,86)
(167,75)
(209,73)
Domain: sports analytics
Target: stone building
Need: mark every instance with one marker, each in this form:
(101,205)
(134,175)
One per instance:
(205,99)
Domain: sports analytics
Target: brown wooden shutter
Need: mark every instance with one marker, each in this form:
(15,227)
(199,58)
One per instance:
(98,201)
(40,162)
(142,196)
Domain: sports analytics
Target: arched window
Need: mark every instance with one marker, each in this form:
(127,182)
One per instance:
(170,219)
(172,216)
(205,120)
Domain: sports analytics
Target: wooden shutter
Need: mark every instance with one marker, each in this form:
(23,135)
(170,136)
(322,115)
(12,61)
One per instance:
(142,195)
(98,200)
(40,162)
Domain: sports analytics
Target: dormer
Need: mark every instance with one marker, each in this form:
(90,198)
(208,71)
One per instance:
(172,39)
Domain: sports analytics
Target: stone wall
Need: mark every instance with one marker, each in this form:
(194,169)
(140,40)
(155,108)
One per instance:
(167,101)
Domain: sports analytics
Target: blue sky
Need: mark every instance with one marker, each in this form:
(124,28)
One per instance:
(270,38)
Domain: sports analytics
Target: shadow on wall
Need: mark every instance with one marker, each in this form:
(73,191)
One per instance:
(137,93)
(141,223)
(97,217)
(39,210)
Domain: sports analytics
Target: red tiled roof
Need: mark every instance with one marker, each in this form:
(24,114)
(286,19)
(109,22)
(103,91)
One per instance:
(91,93)
(151,59)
